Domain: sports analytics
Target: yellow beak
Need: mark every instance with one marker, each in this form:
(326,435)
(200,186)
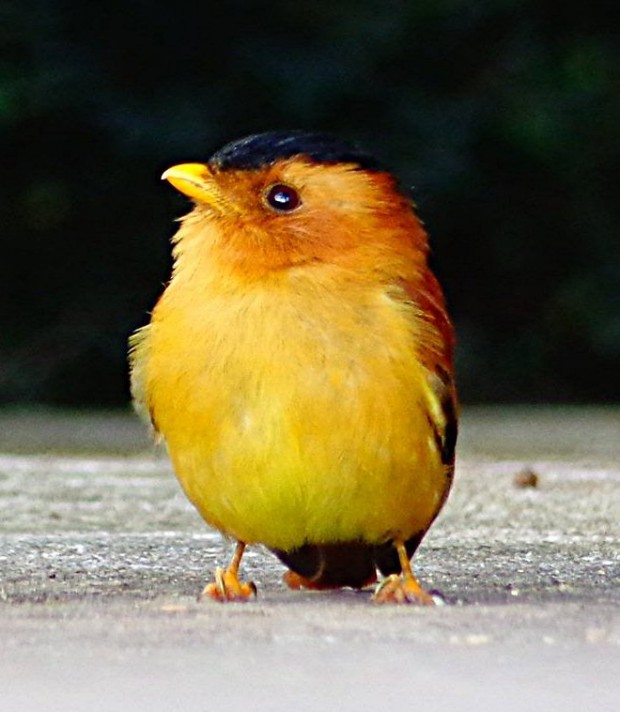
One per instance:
(194,180)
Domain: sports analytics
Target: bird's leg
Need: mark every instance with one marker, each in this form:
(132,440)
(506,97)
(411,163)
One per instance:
(227,586)
(404,588)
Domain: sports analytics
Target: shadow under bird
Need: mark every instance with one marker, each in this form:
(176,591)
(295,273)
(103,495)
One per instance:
(299,364)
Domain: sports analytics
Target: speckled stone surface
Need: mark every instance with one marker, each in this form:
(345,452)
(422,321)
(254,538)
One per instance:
(101,559)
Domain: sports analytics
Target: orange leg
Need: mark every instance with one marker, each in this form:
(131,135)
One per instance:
(227,586)
(404,588)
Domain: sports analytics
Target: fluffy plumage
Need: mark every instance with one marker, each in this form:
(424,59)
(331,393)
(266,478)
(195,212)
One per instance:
(299,362)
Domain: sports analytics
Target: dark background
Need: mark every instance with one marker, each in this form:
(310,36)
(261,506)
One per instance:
(503,114)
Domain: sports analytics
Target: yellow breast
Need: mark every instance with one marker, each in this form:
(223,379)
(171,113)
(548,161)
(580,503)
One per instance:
(294,414)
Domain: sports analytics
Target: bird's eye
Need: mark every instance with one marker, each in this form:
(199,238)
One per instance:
(282,198)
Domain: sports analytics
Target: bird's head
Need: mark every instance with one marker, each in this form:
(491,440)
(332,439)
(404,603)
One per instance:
(277,200)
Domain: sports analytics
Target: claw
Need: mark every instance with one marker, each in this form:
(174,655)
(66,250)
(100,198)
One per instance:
(404,588)
(227,586)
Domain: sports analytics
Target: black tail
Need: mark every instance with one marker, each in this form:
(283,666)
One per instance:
(352,564)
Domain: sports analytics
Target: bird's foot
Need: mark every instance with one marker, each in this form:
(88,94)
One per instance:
(227,587)
(402,589)
(296,582)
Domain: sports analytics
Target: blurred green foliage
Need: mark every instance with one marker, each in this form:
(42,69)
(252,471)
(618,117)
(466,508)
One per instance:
(503,114)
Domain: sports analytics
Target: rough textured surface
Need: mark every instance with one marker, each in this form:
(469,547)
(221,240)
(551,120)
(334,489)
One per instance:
(101,558)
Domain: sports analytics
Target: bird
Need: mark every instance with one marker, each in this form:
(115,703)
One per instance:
(299,364)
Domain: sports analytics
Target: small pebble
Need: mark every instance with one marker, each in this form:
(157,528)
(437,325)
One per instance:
(525,478)
(438,598)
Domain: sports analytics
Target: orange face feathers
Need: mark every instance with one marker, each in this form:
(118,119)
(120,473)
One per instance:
(296,210)
(259,212)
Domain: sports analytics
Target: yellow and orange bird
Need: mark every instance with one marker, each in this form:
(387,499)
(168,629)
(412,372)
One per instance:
(299,364)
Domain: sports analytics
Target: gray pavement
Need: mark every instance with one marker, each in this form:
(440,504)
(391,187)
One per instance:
(101,558)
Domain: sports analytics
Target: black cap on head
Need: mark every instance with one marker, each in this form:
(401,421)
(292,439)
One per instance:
(264,149)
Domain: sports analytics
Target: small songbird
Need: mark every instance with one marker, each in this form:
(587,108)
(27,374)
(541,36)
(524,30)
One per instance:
(299,364)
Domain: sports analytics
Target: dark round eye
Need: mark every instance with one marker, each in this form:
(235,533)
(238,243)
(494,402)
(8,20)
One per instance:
(282,198)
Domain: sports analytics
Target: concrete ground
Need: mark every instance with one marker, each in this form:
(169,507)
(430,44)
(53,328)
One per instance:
(101,558)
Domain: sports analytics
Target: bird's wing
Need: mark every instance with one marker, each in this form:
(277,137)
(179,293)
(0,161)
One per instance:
(138,355)
(437,357)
